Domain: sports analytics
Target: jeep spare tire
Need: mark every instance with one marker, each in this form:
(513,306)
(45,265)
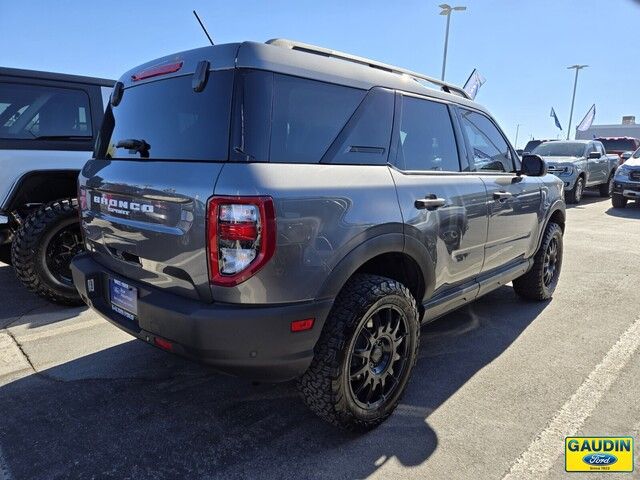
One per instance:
(43,248)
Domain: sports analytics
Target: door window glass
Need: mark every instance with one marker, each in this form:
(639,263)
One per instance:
(490,150)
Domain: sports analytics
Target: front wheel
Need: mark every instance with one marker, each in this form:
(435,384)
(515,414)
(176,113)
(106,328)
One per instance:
(42,250)
(575,194)
(540,282)
(618,201)
(365,354)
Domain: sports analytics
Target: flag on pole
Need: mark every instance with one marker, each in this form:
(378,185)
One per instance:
(586,122)
(555,118)
(473,84)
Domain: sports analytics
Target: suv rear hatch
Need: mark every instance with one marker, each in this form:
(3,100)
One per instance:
(158,156)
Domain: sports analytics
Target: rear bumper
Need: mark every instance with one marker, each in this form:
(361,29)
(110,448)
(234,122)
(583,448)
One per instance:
(249,341)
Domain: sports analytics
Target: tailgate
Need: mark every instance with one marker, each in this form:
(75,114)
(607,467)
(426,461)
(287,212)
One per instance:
(147,221)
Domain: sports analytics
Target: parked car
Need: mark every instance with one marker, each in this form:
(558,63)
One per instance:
(532,144)
(626,183)
(619,145)
(285,211)
(580,164)
(48,124)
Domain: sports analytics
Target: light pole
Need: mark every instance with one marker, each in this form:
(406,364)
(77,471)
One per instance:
(446,10)
(573,99)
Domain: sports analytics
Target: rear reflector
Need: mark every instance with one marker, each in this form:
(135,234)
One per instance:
(163,344)
(302,325)
(156,71)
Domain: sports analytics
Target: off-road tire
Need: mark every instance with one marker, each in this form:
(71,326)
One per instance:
(29,247)
(618,201)
(606,189)
(575,194)
(325,385)
(531,285)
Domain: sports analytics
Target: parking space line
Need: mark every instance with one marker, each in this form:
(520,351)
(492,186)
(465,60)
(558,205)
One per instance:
(542,453)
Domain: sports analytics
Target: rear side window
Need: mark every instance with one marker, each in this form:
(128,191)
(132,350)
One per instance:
(172,120)
(307,117)
(426,141)
(285,119)
(490,150)
(34,112)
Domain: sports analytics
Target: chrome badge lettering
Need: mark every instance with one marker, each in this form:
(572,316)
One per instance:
(122,207)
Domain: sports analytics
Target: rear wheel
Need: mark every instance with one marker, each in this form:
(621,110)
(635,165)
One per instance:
(618,201)
(540,282)
(365,354)
(607,188)
(43,248)
(575,194)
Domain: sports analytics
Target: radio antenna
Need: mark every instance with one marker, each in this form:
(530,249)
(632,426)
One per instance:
(203,27)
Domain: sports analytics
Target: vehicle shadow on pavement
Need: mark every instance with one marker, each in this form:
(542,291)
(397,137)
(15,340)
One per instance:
(134,411)
(16,302)
(632,210)
(588,198)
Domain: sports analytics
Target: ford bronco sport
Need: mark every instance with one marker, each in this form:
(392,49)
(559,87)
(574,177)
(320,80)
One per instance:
(285,211)
(48,124)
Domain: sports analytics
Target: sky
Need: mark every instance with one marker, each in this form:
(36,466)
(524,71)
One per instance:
(521,47)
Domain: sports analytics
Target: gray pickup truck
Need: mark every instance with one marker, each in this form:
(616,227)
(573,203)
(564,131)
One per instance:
(580,164)
(285,211)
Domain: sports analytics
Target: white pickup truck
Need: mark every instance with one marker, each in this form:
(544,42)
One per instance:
(48,126)
(580,164)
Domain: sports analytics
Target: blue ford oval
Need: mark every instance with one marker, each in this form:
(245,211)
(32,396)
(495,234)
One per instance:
(599,459)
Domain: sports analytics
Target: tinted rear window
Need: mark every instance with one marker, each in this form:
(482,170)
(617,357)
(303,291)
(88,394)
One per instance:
(620,145)
(175,122)
(285,119)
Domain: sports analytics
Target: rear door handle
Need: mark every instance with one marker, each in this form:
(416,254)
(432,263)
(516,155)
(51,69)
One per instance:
(502,195)
(430,202)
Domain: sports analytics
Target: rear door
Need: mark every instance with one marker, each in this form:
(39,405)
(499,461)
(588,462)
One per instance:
(595,166)
(443,208)
(515,202)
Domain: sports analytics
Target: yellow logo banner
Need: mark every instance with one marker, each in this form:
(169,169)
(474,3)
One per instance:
(598,454)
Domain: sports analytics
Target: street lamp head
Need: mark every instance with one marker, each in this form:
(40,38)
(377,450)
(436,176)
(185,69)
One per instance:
(461,9)
(577,67)
(447,9)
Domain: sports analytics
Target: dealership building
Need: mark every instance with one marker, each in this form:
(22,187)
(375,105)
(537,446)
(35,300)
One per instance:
(628,128)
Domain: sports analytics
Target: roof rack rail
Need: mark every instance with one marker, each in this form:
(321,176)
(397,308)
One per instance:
(326,52)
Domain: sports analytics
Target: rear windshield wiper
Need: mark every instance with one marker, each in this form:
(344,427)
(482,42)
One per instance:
(135,145)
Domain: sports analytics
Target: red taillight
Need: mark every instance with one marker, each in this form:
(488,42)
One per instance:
(302,325)
(163,344)
(241,237)
(156,71)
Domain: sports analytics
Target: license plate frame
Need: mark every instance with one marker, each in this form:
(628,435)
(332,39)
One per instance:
(123,298)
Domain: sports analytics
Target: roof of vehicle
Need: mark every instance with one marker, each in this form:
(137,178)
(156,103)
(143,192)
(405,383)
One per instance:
(573,141)
(64,77)
(616,138)
(307,61)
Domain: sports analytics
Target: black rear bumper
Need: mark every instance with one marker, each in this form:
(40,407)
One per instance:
(250,341)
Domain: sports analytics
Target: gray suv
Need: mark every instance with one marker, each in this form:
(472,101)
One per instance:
(285,211)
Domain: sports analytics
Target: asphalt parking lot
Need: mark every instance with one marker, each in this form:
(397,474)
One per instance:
(498,386)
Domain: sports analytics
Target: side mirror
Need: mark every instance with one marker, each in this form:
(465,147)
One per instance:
(533,165)
(594,155)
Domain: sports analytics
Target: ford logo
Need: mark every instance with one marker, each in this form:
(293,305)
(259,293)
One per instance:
(599,459)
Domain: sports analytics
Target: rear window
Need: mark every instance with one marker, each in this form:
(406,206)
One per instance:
(172,120)
(34,112)
(620,145)
(285,119)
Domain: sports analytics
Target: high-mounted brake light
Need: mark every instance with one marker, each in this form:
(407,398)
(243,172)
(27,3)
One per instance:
(241,237)
(156,71)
